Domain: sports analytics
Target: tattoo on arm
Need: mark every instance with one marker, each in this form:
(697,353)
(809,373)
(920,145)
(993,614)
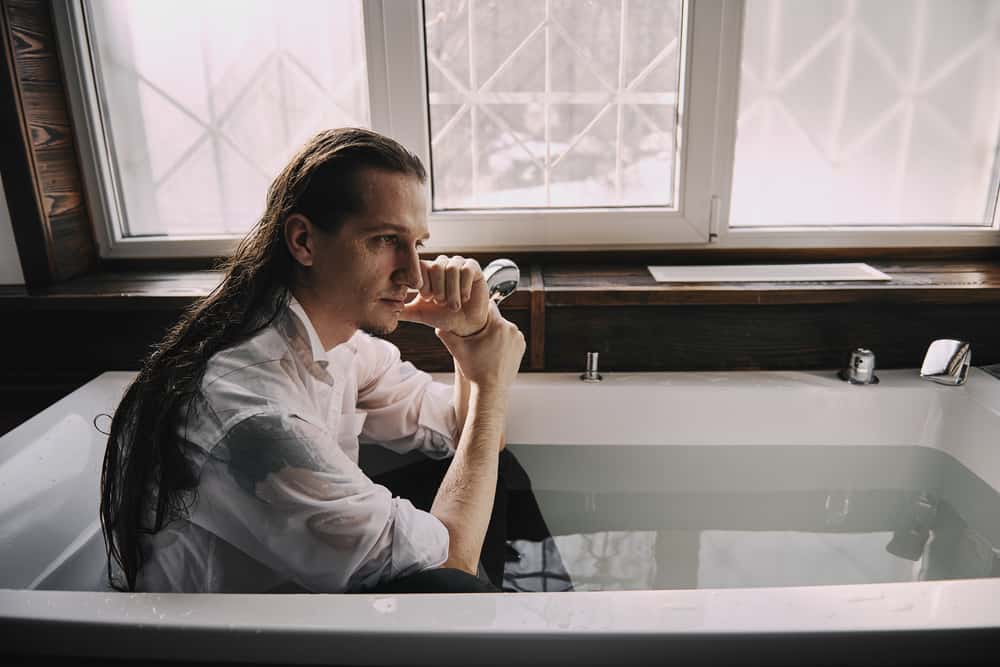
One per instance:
(259,447)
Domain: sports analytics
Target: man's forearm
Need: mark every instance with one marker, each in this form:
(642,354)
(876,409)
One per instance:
(461,396)
(464,500)
(462,390)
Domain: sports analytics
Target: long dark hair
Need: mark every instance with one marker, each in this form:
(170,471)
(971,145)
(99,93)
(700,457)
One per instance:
(146,478)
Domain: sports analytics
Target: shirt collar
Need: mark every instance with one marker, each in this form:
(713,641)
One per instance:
(319,354)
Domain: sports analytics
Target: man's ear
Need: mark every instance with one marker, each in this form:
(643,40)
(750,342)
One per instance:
(300,239)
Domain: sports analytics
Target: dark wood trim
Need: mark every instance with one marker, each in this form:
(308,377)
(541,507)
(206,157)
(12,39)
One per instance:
(536,340)
(636,325)
(40,165)
(923,282)
(753,337)
(919,282)
(704,295)
(161,290)
(16,168)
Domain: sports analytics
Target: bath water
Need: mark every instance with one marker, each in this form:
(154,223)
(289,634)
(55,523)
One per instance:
(645,517)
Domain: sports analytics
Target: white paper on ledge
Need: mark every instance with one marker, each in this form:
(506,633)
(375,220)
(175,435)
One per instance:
(770,273)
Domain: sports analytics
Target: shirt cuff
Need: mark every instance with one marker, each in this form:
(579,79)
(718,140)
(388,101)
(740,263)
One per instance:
(419,541)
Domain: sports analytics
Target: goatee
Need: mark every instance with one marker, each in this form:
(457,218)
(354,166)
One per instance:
(379,330)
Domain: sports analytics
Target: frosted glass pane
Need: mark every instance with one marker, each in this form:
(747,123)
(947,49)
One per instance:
(564,104)
(867,113)
(205,101)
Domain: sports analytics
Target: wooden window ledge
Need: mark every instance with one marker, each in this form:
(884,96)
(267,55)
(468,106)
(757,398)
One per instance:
(941,282)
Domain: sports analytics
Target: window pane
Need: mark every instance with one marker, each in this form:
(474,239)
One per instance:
(205,101)
(564,103)
(870,113)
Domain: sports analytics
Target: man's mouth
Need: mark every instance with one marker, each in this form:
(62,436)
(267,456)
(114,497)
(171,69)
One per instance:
(395,302)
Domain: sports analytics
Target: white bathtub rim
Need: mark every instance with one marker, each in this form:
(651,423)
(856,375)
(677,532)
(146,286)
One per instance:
(917,402)
(800,408)
(917,606)
(825,610)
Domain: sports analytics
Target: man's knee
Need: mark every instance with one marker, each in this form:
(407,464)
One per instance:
(512,475)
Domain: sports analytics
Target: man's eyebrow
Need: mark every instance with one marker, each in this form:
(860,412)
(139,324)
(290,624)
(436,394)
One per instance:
(391,226)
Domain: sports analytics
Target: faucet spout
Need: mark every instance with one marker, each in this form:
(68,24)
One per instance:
(947,362)
(860,368)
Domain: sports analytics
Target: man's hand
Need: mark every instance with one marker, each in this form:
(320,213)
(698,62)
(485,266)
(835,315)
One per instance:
(453,296)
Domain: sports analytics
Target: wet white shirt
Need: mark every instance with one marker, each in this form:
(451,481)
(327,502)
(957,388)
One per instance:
(281,502)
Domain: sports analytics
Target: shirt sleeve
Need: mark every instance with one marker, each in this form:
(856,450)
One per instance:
(280,489)
(407,410)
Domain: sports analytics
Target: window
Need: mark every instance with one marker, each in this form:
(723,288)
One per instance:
(867,113)
(551,124)
(199,117)
(193,108)
(609,97)
(556,104)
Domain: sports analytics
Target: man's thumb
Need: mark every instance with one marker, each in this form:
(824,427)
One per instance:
(416,310)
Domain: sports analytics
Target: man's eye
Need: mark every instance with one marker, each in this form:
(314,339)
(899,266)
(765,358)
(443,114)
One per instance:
(387,239)
(420,244)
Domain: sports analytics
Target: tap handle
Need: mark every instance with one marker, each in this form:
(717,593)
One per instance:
(860,367)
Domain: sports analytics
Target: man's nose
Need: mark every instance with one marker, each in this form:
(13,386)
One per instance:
(409,273)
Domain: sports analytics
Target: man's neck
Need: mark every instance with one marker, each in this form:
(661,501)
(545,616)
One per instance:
(331,330)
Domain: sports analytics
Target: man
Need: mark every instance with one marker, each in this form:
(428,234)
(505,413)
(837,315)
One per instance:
(232,463)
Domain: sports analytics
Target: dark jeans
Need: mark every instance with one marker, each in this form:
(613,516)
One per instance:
(439,580)
(515,516)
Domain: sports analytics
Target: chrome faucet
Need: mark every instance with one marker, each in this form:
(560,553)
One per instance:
(860,368)
(947,362)
(591,374)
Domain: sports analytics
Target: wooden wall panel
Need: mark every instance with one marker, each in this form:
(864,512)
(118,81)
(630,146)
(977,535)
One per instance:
(55,350)
(81,343)
(39,162)
(795,337)
(69,333)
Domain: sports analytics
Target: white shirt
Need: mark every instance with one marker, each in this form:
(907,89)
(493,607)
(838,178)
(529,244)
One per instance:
(281,501)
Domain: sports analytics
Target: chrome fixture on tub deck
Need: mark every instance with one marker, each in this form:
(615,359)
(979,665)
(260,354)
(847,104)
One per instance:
(947,362)
(591,374)
(860,368)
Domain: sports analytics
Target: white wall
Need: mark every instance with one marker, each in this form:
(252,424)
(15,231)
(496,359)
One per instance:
(10,264)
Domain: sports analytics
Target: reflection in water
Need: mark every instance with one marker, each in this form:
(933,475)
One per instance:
(834,515)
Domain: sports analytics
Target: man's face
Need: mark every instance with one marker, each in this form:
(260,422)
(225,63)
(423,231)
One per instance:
(364,269)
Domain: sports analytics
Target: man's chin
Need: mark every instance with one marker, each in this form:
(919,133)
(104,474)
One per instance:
(381,328)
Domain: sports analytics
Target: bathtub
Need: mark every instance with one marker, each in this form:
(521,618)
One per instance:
(904,433)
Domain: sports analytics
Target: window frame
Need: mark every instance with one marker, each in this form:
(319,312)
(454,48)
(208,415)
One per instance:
(547,229)
(396,68)
(99,178)
(819,236)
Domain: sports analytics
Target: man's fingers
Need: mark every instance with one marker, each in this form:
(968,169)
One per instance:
(470,272)
(416,310)
(453,282)
(425,279)
(437,271)
(449,283)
